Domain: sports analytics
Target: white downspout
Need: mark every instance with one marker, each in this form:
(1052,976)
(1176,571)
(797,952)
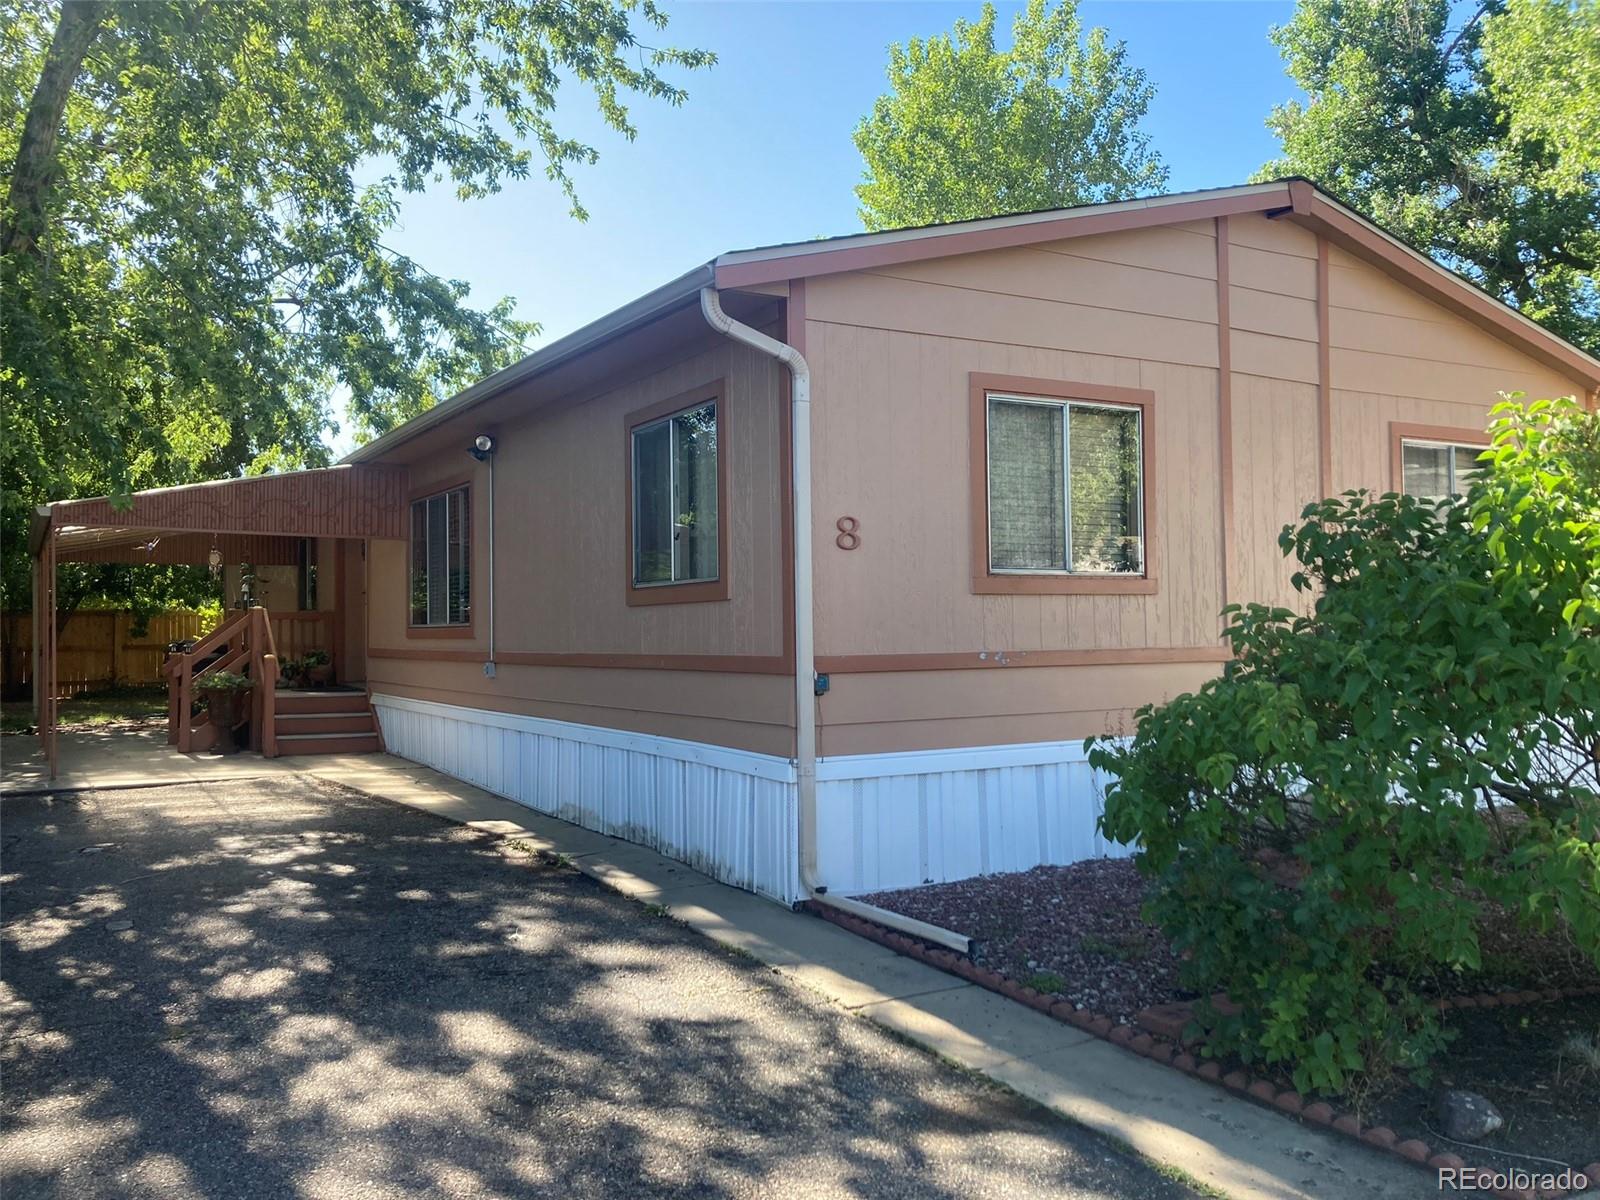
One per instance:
(805,664)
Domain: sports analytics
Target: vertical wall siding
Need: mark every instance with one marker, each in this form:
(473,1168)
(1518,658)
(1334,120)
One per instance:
(727,813)
(901,820)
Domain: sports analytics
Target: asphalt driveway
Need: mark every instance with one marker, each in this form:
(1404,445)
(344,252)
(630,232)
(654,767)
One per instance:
(284,988)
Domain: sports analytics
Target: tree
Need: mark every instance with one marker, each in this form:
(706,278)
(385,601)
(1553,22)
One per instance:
(1543,61)
(1328,820)
(190,266)
(967,130)
(1491,174)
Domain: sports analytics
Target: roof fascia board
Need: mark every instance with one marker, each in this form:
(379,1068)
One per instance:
(755,267)
(662,300)
(1356,235)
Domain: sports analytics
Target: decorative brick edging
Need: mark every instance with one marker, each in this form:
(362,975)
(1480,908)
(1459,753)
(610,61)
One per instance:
(1170,1051)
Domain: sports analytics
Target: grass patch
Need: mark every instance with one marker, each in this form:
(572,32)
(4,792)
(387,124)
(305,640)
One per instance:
(91,708)
(1047,982)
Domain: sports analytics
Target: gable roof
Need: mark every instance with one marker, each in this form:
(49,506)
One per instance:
(1296,200)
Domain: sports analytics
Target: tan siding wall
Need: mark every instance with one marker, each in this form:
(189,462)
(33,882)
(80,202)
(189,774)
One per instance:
(891,350)
(930,710)
(561,570)
(746,712)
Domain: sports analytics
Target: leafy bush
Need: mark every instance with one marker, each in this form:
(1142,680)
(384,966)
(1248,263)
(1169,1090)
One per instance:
(1327,819)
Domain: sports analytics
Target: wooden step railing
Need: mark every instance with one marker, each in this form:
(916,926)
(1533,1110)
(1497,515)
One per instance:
(243,644)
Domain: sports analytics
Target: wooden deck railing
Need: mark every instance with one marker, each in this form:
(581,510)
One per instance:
(243,644)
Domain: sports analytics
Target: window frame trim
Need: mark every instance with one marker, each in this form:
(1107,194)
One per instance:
(459,629)
(1401,432)
(694,591)
(986,580)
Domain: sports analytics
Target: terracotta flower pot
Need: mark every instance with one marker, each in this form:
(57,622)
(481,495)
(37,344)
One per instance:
(321,676)
(225,708)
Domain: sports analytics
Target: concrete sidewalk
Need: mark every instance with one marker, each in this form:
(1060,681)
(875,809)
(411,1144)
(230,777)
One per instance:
(1224,1142)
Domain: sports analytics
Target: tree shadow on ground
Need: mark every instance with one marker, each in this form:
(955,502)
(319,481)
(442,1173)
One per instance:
(322,994)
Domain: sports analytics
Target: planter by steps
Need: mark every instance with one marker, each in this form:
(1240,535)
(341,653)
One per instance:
(226,696)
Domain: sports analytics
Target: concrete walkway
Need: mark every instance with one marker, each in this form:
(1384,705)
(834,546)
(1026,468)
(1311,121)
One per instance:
(1223,1142)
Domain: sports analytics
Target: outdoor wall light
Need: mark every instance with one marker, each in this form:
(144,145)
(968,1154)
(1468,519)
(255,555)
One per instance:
(482,447)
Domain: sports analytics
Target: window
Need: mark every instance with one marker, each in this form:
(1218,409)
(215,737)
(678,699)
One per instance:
(676,497)
(441,559)
(1065,487)
(1434,470)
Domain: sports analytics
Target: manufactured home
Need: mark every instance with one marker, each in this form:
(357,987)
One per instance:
(813,567)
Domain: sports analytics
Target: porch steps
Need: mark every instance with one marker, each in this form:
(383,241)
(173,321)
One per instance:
(332,721)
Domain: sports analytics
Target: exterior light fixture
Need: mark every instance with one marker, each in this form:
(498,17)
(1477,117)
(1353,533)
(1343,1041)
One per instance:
(482,447)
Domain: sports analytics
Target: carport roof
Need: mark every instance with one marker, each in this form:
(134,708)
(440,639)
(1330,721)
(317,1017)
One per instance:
(261,518)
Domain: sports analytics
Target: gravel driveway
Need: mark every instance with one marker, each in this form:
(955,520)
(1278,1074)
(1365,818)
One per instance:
(288,989)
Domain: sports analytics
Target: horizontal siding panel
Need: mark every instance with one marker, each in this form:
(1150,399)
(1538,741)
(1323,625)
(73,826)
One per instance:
(1269,271)
(879,302)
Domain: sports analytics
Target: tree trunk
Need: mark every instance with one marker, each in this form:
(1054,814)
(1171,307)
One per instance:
(32,176)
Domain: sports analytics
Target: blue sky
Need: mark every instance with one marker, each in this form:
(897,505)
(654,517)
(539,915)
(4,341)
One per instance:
(761,151)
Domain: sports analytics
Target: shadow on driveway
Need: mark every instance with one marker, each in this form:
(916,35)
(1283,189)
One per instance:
(320,994)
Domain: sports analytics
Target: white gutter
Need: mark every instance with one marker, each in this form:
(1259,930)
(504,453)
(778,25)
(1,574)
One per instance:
(805,662)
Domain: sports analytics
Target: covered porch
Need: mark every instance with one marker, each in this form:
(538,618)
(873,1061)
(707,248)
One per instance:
(289,552)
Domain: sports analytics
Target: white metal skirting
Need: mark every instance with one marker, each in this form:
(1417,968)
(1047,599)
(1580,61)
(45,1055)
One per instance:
(728,813)
(883,820)
(888,821)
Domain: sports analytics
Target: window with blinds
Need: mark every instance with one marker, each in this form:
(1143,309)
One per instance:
(1066,488)
(1434,470)
(441,559)
(675,499)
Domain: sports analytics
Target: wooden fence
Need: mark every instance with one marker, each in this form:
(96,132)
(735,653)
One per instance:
(97,649)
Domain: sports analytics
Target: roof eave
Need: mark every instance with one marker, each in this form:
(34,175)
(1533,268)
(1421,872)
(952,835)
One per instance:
(630,316)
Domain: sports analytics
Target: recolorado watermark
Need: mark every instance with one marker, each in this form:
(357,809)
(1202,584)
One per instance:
(1459,1179)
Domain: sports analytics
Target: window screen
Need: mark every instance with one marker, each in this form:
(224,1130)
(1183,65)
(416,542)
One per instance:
(441,559)
(675,499)
(1434,470)
(1065,487)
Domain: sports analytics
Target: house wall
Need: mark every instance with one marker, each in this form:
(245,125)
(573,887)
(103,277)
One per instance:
(569,646)
(920,661)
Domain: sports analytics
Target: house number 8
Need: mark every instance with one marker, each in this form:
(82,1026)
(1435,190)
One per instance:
(848,538)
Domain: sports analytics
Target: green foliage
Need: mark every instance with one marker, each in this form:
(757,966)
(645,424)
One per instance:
(191,264)
(1327,819)
(967,130)
(1483,158)
(224,681)
(1543,58)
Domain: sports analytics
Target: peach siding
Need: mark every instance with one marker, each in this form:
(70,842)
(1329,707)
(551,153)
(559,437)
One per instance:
(561,573)
(891,350)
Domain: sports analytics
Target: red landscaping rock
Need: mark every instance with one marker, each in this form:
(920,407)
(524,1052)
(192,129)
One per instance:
(1237,1080)
(1289,1102)
(1186,1063)
(1142,1042)
(1084,1018)
(1225,1006)
(1443,1162)
(1100,1026)
(1121,1035)
(1160,1052)
(1592,1171)
(1262,1090)
(1063,1010)
(1381,1136)
(1347,1124)
(1416,1151)
(1319,1113)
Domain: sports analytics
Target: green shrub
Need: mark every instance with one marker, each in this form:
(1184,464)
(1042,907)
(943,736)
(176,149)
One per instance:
(1326,820)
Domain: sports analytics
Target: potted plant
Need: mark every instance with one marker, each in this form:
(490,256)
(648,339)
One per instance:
(289,671)
(318,669)
(226,695)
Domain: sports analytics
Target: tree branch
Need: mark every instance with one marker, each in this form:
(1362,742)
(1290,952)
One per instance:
(32,176)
